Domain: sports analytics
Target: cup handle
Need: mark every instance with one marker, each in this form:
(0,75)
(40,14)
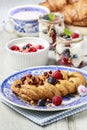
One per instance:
(9,26)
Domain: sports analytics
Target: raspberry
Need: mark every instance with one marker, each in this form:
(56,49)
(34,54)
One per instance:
(57,100)
(39,47)
(57,75)
(15,48)
(29,44)
(32,49)
(66,61)
(75,35)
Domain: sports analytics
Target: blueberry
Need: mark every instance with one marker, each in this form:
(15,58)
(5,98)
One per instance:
(26,46)
(75,56)
(66,52)
(51,80)
(41,102)
(66,37)
(46,17)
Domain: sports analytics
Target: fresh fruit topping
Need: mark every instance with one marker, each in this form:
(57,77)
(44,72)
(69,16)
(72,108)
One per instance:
(51,80)
(15,48)
(27,48)
(32,49)
(66,52)
(57,100)
(66,37)
(29,44)
(75,35)
(41,102)
(67,32)
(51,17)
(57,74)
(66,61)
(39,47)
(75,56)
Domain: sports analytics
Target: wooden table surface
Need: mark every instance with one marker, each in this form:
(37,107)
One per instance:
(9,119)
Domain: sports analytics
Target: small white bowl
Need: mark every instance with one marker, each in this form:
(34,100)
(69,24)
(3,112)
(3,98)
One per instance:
(20,60)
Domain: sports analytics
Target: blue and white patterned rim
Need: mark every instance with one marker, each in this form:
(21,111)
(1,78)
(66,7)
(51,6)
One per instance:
(69,101)
(26,8)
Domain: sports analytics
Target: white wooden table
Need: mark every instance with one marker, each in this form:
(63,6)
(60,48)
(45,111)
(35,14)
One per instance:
(9,119)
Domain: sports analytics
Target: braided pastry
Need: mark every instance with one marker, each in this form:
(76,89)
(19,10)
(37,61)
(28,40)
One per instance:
(33,88)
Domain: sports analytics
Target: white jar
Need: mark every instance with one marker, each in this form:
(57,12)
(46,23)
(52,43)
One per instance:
(50,29)
(70,52)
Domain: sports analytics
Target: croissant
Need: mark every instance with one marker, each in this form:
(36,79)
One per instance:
(72,1)
(76,14)
(54,5)
(74,11)
(33,88)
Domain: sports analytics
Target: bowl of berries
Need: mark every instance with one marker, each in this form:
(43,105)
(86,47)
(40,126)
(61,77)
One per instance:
(27,52)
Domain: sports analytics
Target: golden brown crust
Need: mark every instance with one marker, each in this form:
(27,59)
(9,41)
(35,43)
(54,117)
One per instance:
(72,1)
(74,11)
(54,5)
(82,23)
(33,88)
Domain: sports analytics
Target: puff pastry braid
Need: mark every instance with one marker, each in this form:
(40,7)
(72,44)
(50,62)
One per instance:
(32,87)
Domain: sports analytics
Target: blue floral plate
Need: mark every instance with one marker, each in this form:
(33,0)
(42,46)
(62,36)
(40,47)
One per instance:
(69,101)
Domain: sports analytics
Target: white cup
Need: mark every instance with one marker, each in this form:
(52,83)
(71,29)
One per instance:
(23,20)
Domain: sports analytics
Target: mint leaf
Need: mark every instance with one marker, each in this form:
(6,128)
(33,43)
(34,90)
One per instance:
(51,17)
(67,32)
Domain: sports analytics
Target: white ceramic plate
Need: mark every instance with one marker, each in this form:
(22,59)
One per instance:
(69,101)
